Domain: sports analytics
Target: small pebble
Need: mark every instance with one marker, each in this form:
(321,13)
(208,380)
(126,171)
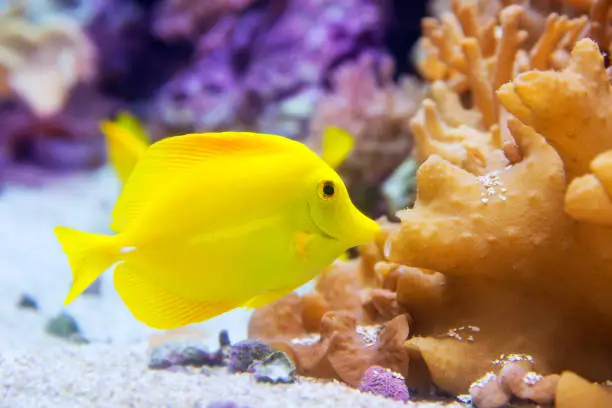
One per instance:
(65,327)
(207,371)
(244,353)
(27,302)
(274,368)
(178,369)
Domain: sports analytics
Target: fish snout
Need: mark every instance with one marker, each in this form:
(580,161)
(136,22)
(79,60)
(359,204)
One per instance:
(366,229)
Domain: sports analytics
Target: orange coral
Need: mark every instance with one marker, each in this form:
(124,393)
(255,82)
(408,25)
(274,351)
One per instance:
(507,247)
(505,243)
(460,56)
(344,350)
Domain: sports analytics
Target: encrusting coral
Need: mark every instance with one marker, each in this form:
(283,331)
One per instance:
(506,251)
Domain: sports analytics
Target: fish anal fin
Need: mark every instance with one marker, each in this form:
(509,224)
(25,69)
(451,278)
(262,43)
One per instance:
(265,298)
(165,161)
(159,308)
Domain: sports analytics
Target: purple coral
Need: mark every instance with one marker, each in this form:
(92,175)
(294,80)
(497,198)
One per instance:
(262,69)
(186,19)
(384,382)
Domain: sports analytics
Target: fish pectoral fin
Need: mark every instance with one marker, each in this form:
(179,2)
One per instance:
(159,308)
(265,298)
(301,240)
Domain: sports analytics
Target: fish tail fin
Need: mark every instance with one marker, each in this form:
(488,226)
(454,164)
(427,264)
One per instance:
(89,255)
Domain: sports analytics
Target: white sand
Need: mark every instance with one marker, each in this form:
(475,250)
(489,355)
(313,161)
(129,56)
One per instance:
(39,371)
(116,376)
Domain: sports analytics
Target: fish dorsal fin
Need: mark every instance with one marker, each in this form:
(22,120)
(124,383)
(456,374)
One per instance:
(133,125)
(124,147)
(337,144)
(164,161)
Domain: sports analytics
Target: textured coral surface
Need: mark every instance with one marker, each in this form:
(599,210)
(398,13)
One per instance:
(529,277)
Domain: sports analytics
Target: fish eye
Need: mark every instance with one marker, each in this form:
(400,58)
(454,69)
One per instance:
(327,189)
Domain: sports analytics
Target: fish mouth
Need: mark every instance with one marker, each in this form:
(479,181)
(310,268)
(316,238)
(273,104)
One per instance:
(320,230)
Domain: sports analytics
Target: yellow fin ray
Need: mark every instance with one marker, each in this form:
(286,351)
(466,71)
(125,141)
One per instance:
(167,160)
(337,144)
(89,255)
(159,308)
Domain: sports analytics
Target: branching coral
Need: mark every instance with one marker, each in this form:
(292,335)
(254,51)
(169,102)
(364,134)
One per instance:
(459,45)
(504,241)
(53,54)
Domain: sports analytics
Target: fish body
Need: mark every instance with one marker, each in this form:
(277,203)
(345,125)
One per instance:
(211,222)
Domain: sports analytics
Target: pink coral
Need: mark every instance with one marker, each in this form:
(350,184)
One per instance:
(366,101)
(384,382)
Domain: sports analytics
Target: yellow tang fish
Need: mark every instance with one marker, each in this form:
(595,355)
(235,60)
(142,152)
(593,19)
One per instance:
(210,222)
(127,140)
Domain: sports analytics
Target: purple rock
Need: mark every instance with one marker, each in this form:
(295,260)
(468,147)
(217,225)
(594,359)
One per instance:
(384,382)
(184,353)
(244,353)
(190,352)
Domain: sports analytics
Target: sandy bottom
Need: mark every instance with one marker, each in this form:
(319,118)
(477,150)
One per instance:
(37,370)
(116,376)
